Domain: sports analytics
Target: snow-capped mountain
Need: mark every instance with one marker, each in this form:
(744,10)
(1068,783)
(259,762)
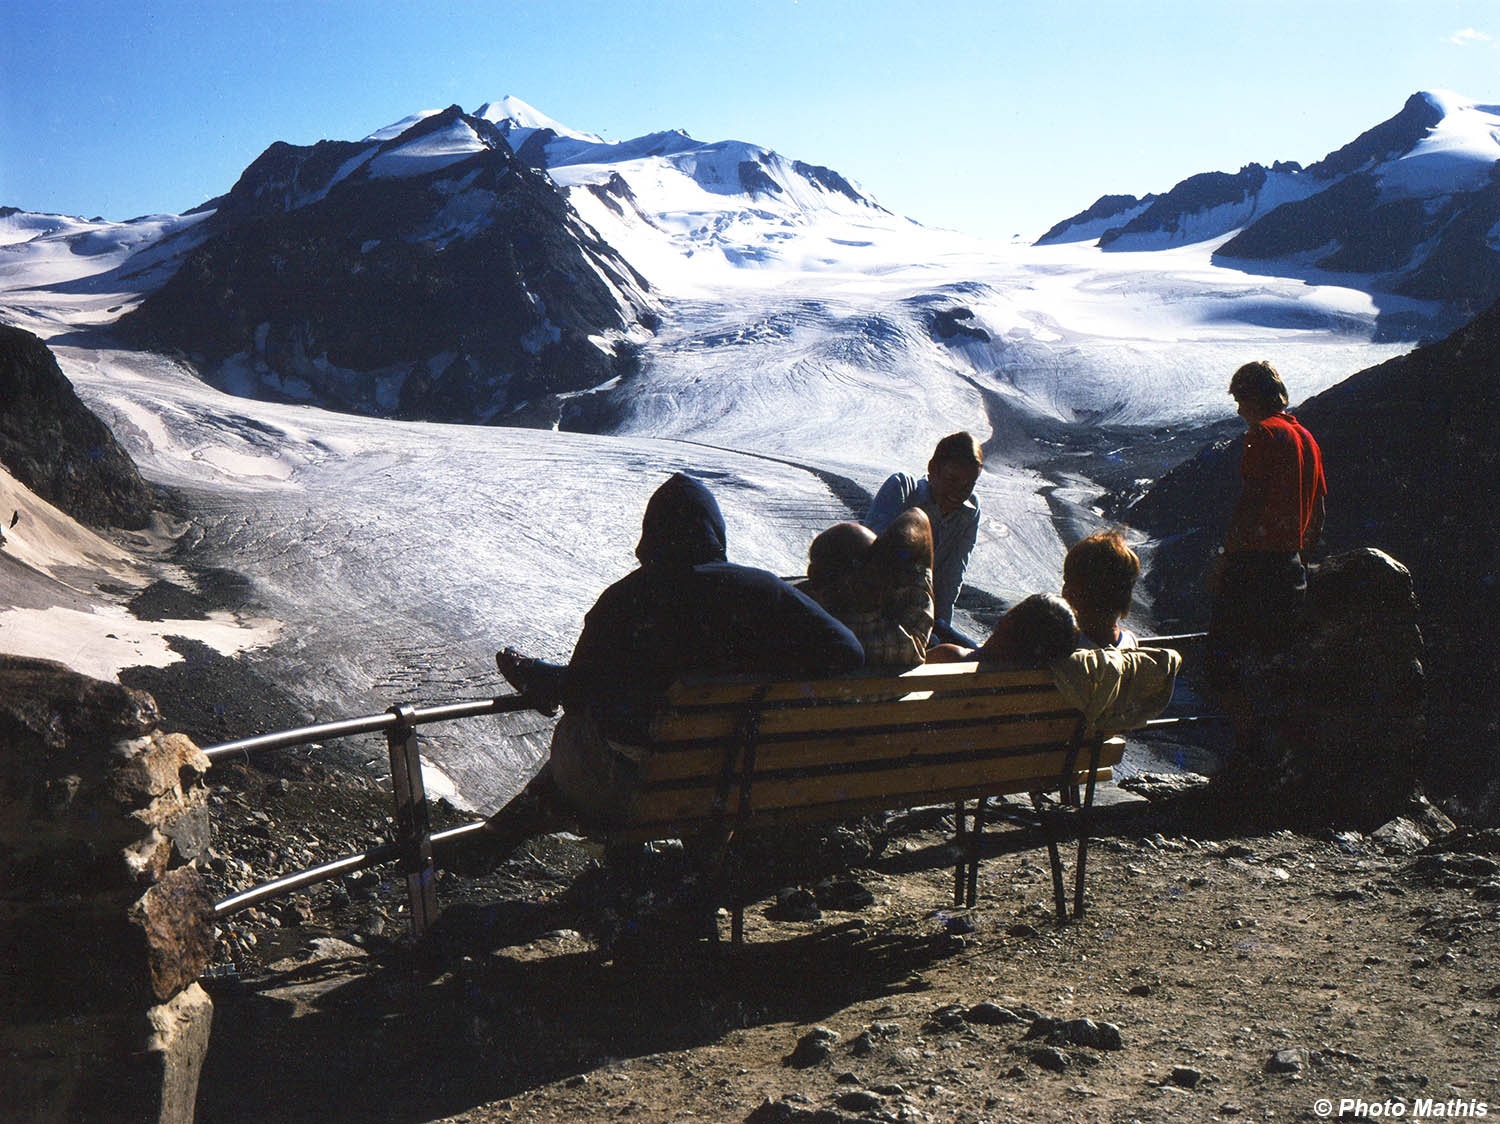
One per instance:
(109,264)
(737,198)
(422,272)
(1411,206)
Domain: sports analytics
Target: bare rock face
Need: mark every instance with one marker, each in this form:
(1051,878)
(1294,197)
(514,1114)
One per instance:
(105,923)
(52,443)
(470,293)
(1346,715)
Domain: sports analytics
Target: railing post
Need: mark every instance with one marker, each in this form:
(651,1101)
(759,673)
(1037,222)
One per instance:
(413,825)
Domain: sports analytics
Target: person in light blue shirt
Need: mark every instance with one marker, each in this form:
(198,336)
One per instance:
(946,494)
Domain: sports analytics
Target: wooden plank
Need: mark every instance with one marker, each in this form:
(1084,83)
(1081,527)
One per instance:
(843,809)
(1023,773)
(927,677)
(822,813)
(676,726)
(902,744)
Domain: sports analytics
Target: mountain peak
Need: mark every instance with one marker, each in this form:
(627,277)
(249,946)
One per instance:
(512,115)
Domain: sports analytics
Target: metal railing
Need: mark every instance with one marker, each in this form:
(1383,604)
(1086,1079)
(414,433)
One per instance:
(1174,640)
(415,843)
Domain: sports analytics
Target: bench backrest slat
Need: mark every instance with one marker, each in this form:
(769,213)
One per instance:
(821,813)
(899,785)
(877,740)
(870,684)
(853,713)
(873,747)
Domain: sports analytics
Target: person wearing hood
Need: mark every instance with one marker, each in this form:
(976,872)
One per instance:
(686,609)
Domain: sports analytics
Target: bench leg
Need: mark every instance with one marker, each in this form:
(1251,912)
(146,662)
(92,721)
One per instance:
(1049,825)
(1085,814)
(1083,855)
(972,894)
(1059,895)
(958,846)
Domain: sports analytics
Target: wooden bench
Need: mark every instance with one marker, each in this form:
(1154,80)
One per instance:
(741,755)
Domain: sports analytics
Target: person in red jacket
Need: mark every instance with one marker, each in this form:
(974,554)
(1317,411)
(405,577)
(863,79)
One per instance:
(1258,580)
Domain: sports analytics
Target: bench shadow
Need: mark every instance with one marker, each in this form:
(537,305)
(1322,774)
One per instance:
(417,1034)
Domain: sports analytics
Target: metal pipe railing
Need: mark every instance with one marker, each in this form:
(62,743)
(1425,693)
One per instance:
(368,724)
(1175,638)
(360,860)
(415,842)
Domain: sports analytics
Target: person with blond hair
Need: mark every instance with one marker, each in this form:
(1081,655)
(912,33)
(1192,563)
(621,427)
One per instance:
(1099,574)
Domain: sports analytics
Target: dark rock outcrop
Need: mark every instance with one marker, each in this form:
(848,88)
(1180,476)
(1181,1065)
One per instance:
(1410,449)
(105,922)
(946,323)
(1107,212)
(1390,138)
(1167,213)
(1344,710)
(53,444)
(459,293)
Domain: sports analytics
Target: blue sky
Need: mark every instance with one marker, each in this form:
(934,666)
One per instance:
(996,117)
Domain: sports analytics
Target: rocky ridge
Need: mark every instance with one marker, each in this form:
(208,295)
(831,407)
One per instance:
(51,442)
(429,274)
(1391,208)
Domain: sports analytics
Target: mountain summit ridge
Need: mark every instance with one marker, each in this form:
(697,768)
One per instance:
(1411,204)
(426,274)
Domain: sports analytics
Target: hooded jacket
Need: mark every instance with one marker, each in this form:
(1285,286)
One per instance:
(689,610)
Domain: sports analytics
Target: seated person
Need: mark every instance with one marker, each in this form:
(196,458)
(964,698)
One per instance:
(831,559)
(946,494)
(879,586)
(1099,576)
(1034,632)
(1115,689)
(685,609)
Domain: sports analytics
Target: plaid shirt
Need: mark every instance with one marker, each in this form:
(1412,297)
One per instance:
(896,634)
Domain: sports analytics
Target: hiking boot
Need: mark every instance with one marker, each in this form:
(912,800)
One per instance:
(538,680)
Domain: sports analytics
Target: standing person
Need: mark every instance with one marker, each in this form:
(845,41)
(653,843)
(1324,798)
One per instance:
(946,494)
(1257,580)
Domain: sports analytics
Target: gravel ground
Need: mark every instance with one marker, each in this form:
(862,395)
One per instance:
(1225,972)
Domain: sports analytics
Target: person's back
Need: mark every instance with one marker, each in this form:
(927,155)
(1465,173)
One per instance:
(688,610)
(1284,459)
(1113,688)
(880,587)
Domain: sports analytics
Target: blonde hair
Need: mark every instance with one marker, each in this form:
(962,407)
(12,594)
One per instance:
(1099,572)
